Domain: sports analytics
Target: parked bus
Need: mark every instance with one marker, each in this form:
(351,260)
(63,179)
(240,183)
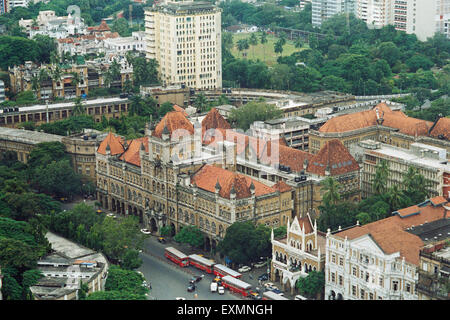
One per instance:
(201,263)
(270,295)
(222,271)
(176,256)
(236,285)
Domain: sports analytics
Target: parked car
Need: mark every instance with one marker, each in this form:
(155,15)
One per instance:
(263,277)
(244,269)
(180,298)
(191,287)
(221,290)
(146,231)
(300,297)
(112,215)
(260,264)
(214,286)
(161,240)
(269,285)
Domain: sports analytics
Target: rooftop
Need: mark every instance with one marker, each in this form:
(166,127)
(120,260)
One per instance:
(28,137)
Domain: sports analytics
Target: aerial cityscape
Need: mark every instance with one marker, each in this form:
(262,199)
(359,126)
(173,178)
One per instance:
(231,150)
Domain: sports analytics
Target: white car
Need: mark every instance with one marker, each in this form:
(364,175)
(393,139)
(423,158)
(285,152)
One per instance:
(112,215)
(221,290)
(180,298)
(260,264)
(146,231)
(269,285)
(244,269)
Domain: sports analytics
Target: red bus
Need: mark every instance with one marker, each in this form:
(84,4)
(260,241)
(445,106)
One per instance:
(236,285)
(222,271)
(177,256)
(270,295)
(201,263)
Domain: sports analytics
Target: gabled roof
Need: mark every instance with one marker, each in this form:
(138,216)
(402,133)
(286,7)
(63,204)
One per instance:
(208,176)
(335,156)
(391,234)
(132,154)
(214,120)
(173,120)
(180,109)
(394,119)
(114,142)
(442,127)
(281,186)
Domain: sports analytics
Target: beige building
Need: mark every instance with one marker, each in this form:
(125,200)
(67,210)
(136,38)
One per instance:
(185,38)
(301,251)
(434,271)
(431,162)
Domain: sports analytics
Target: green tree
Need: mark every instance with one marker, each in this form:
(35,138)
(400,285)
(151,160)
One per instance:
(313,285)
(278,47)
(190,235)
(379,181)
(164,108)
(131,260)
(253,41)
(78,107)
(242,45)
(201,103)
(125,281)
(331,195)
(253,111)
(263,40)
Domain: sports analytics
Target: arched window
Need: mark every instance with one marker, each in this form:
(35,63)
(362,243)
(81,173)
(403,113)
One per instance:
(213,227)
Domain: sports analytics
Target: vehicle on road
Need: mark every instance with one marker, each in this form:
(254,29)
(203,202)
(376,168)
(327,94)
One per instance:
(146,231)
(300,297)
(191,287)
(263,277)
(254,295)
(244,269)
(112,215)
(99,211)
(213,286)
(260,264)
(221,290)
(277,291)
(195,279)
(161,240)
(268,285)
(180,298)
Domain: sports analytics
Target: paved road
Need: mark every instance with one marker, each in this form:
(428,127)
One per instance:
(169,281)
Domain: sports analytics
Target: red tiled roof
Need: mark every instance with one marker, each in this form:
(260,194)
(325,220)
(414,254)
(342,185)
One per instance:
(207,177)
(335,155)
(132,154)
(214,120)
(436,201)
(180,109)
(442,127)
(391,235)
(363,119)
(115,144)
(174,120)
(305,223)
(281,186)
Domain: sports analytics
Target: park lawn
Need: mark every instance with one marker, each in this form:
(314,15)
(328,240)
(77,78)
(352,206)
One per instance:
(264,52)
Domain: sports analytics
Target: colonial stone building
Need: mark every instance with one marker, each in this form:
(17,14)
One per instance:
(301,251)
(380,260)
(167,178)
(384,125)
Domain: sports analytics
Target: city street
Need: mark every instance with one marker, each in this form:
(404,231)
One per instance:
(169,281)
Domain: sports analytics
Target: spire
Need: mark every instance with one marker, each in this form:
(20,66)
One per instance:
(252,186)
(218,187)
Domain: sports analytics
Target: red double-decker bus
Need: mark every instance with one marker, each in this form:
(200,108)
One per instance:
(201,263)
(222,271)
(236,285)
(176,256)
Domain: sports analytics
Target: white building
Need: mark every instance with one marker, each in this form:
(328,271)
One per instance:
(2,91)
(380,260)
(185,39)
(123,44)
(324,9)
(376,13)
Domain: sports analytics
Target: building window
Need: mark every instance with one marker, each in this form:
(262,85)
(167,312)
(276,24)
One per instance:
(354,290)
(362,294)
(395,285)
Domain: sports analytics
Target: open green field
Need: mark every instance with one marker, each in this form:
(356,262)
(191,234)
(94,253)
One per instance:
(264,52)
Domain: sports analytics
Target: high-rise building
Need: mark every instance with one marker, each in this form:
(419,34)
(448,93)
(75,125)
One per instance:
(3,6)
(376,13)
(2,91)
(185,38)
(324,9)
